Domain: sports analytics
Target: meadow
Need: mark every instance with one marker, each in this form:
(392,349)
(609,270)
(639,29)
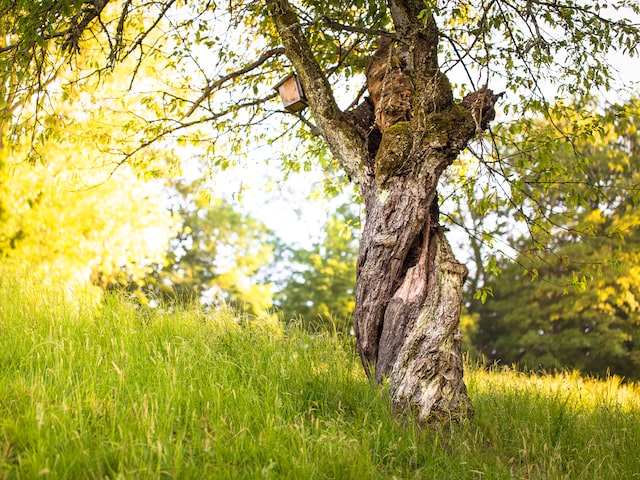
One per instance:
(105,390)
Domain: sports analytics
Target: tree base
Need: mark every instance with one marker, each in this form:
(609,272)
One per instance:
(427,376)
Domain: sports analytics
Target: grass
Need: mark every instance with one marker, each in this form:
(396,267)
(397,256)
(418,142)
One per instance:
(106,391)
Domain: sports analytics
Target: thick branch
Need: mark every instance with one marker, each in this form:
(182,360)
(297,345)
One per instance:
(80,22)
(345,142)
(49,16)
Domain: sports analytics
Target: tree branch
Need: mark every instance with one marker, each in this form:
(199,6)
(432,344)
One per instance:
(346,144)
(180,126)
(143,35)
(335,25)
(80,22)
(225,78)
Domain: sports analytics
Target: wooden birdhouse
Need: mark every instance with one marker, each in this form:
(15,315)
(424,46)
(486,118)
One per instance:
(291,93)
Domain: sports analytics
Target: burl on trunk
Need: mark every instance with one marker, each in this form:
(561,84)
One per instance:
(409,285)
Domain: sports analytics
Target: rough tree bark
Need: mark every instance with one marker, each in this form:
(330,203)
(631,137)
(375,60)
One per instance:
(395,146)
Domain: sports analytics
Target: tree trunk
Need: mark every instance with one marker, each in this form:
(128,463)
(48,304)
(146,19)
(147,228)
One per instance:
(415,342)
(409,285)
(395,147)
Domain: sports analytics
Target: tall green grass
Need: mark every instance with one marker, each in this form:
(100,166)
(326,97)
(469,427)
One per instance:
(104,390)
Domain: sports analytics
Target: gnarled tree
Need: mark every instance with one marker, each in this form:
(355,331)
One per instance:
(394,145)
(409,285)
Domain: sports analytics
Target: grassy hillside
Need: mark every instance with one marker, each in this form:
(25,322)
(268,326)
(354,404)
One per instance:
(105,391)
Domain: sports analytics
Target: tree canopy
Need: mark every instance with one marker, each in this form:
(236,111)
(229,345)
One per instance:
(181,65)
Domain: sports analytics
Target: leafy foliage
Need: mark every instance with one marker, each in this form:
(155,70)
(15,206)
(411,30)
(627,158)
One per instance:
(525,201)
(67,200)
(320,293)
(216,258)
(577,304)
(70,214)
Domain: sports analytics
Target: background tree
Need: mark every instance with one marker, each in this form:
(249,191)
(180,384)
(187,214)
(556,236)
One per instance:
(62,209)
(394,146)
(582,308)
(216,258)
(320,291)
(546,324)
